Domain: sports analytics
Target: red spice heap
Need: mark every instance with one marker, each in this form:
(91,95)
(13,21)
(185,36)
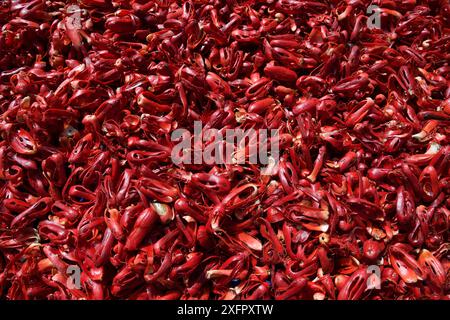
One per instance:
(91,90)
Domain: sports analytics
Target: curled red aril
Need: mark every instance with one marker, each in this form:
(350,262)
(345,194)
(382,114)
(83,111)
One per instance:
(405,265)
(280,73)
(23,143)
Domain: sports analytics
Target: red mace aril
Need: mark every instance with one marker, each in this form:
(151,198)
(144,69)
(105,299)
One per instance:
(372,249)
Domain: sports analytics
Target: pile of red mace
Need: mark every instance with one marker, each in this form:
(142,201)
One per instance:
(93,206)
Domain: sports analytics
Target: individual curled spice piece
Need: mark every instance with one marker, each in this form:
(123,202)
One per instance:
(23,143)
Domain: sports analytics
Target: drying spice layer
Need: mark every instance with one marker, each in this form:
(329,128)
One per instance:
(96,205)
